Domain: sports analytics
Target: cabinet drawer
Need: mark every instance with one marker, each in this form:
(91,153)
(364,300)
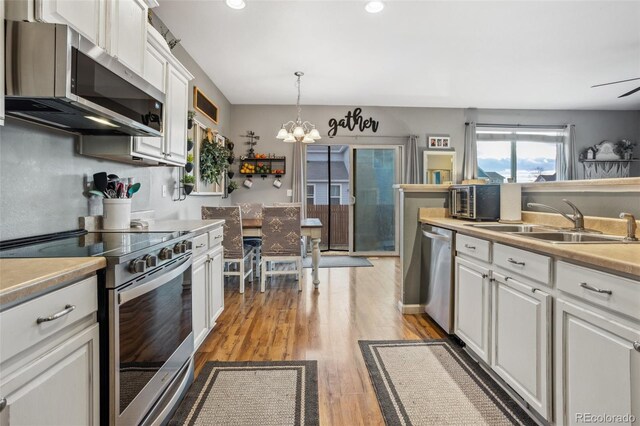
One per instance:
(215,237)
(610,291)
(530,265)
(474,247)
(19,326)
(200,245)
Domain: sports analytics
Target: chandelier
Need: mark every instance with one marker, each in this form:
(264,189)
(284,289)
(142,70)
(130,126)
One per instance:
(298,131)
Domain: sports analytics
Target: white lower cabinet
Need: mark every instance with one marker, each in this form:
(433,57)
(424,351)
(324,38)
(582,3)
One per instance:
(207,288)
(597,362)
(199,300)
(521,338)
(59,388)
(472,306)
(215,282)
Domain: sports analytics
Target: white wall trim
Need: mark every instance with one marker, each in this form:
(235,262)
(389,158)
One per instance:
(410,309)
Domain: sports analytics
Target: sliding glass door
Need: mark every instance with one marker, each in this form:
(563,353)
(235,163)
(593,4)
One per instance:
(374,207)
(327,189)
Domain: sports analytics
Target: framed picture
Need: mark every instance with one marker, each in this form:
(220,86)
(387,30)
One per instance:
(438,142)
(204,105)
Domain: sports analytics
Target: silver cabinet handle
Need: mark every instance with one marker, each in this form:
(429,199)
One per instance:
(3,402)
(200,245)
(67,310)
(636,346)
(469,247)
(218,237)
(596,289)
(485,276)
(515,262)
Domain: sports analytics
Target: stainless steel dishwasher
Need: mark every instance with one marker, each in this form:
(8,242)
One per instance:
(439,275)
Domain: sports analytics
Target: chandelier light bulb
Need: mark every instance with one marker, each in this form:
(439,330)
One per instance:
(315,134)
(374,6)
(289,138)
(236,4)
(282,134)
(307,139)
(298,132)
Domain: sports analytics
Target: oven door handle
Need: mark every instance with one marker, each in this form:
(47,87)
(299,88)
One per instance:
(140,289)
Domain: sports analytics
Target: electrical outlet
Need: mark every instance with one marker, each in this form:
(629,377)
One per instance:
(289,192)
(164,191)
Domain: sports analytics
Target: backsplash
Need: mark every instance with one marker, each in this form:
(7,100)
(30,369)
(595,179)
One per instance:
(42,183)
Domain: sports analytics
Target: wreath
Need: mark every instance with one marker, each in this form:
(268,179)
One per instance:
(214,159)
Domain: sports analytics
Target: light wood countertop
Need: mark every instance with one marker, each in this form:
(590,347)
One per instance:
(621,258)
(23,279)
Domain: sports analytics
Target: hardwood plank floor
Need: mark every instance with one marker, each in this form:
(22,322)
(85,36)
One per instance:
(325,325)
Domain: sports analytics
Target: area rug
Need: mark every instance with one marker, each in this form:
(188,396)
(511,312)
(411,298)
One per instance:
(252,393)
(435,383)
(338,262)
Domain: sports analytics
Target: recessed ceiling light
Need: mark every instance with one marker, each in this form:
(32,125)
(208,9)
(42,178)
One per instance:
(236,4)
(374,6)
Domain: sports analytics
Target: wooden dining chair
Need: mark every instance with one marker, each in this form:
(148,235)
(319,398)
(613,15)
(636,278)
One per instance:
(281,243)
(253,211)
(236,253)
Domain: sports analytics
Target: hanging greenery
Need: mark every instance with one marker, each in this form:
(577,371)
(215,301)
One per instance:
(214,159)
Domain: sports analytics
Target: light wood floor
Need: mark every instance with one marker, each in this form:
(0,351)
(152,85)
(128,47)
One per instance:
(325,325)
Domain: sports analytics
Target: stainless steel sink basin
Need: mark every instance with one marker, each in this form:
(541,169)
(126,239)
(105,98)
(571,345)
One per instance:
(498,227)
(572,237)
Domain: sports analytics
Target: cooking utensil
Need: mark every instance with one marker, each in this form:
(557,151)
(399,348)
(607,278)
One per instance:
(97,193)
(113,177)
(133,189)
(110,193)
(100,181)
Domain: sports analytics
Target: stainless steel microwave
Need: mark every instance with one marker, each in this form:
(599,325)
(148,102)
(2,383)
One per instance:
(58,78)
(475,202)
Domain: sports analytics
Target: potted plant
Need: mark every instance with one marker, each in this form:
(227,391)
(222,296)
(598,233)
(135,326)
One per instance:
(188,181)
(189,166)
(189,143)
(190,116)
(233,185)
(624,149)
(214,160)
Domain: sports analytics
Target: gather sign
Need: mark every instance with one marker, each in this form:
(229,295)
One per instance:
(352,121)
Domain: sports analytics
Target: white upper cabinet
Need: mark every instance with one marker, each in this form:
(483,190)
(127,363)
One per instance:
(2,62)
(127,32)
(87,17)
(177,104)
(155,67)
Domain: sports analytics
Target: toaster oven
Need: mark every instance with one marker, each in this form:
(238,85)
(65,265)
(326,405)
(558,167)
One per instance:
(475,202)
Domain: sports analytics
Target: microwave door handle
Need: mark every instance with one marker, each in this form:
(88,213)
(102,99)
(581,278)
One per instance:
(140,289)
(454,203)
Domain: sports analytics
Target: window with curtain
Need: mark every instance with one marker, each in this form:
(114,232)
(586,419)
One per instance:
(521,154)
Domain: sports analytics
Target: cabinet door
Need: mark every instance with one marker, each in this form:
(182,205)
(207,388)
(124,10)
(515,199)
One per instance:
(2,62)
(177,103)
(472,306)
(148,148)
(521,332)
(60,388)
(199,300)
(597,362)
(155,67)
(215,285)
(86,17)
(127,32)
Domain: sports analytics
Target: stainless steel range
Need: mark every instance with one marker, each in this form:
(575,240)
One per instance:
(146,336)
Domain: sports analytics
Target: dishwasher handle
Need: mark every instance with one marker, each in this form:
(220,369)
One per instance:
(435,236)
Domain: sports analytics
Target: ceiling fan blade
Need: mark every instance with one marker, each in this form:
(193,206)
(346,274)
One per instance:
(615,82)
(631,92)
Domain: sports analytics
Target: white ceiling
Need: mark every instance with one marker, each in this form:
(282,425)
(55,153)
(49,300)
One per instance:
(483,54)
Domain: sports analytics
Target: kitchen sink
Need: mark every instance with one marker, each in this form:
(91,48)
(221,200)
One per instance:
(511,228)
(571,237)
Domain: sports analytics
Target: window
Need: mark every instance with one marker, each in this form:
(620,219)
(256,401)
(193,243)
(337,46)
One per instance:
(520,155)
(336,194)
(311,194)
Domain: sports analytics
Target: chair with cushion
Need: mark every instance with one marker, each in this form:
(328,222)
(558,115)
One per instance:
(238,257)
(281,243)
(253,211)
(303,240)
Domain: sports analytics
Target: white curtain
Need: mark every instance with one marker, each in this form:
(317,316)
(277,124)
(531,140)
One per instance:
(470,161)
(567,169)
(412,169)
(297,178)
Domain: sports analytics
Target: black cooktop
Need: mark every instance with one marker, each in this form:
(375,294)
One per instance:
(85,244)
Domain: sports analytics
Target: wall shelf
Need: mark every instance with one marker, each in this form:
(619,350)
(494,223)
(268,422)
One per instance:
(276,166)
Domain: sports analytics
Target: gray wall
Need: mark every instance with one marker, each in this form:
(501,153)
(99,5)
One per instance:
(591,127)
(42,179)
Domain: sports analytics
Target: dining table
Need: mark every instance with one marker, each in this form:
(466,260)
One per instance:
(310,227)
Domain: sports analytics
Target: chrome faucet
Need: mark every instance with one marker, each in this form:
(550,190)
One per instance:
(577,217)
(631,226)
